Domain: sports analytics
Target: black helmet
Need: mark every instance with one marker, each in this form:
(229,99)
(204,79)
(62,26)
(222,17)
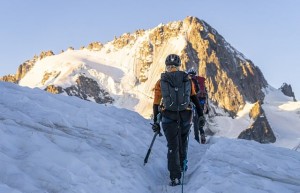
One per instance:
(173,59)
(192,71)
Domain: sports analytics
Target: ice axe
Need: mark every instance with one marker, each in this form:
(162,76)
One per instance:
(153,139)
(149,150)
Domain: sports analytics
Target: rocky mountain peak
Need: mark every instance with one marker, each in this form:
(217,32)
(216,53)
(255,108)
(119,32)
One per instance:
(45,54)
(26,67)
(231,79)
(287,90)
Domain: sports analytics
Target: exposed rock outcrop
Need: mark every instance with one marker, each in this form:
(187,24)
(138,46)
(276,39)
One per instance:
(85,88)
(260,130)
(143,61)
(88,89)
(95,46)
(49,75)
(164,32)
(26,67)
(46,54)
(9,78)
(54,89)
(287,90)
(256,111)
(127,39)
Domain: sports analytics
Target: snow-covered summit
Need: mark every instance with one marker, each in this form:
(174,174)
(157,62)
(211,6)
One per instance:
(125,69)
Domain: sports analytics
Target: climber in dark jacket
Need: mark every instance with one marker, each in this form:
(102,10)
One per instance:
(176,124)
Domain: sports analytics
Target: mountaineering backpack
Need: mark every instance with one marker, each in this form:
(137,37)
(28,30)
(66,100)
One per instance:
(200,88)
(175,90)
(199,83)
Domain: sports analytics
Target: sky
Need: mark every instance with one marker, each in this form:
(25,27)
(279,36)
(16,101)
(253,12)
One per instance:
(57,143)
(266,32)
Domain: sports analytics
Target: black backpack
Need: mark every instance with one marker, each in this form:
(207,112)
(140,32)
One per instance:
(175,90)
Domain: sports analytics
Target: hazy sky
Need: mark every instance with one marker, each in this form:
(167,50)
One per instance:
(265,31)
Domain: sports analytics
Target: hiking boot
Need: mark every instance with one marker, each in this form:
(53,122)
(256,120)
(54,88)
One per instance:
(175,182)
(197,139)
(203,139)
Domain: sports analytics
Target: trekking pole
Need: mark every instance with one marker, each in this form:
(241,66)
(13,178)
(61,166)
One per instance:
(185,162)
(149,150)
(184,168)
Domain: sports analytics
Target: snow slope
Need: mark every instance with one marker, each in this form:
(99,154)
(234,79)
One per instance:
(284,116)
(281,111)
(53,143)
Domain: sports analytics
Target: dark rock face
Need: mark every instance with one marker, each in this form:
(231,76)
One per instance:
(260,130)
(87,88)
(287,90)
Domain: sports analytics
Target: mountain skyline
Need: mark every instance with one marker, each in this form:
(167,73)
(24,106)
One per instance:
(122,72)
(56,142)
(270,45)
(132,63)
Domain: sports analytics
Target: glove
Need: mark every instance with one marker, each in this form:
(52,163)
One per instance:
(201,121)
(200,112)
(207,111)
(156,127)
(155,113)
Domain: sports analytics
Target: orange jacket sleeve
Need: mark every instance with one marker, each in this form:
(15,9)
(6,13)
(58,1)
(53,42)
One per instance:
(193,91)
(157,93)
